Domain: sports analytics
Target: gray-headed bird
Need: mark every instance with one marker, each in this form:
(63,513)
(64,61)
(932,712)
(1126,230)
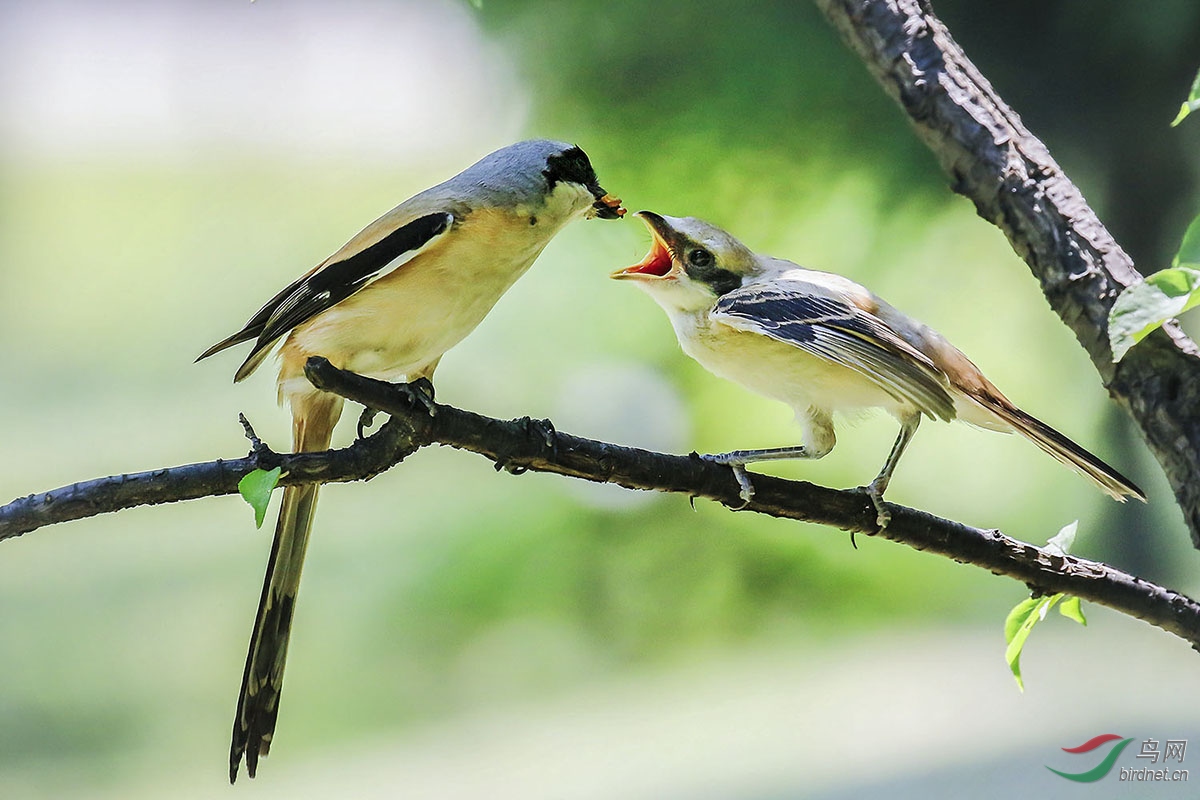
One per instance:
(822,344)
(389,304)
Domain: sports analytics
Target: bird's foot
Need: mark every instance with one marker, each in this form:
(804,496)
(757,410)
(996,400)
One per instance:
(419,393)
(735,463)
(364,421)
(874,490)
(543,429)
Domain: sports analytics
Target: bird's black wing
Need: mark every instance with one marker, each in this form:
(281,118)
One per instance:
(331,283)
(843,334)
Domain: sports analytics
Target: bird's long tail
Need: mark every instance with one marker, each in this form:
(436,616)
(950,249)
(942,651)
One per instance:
(314,416)
(1062,449)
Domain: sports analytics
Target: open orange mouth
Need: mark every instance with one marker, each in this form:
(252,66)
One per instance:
(658,262)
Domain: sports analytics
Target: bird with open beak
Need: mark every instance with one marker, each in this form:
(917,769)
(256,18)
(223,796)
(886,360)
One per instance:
(822,344)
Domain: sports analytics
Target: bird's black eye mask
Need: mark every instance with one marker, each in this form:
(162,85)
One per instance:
(701,265)
(573,166)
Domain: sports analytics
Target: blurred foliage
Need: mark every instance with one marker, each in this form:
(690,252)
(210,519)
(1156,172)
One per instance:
(727,109)
(1144,307)
(1099,82)
(442,585)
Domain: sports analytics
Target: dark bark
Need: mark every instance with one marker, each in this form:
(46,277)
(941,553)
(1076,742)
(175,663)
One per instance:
(1014,183)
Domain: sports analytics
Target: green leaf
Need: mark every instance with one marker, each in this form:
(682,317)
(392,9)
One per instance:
(1072,609)
(1145,306)
(1016,617)
(1019,624)
(1191,104)
(1189,248)
(1060,544)
(256,488)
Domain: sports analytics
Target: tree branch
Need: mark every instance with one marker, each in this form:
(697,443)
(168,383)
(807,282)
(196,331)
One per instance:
(364,460)
(526,444)
(1014,183)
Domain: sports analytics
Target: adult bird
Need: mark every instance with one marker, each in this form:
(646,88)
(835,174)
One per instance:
(389,304)
(823,344)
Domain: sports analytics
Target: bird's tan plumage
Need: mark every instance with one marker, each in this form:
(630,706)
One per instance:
(388,304)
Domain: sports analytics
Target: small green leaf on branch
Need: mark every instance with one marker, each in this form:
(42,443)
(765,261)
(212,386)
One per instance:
(1071,608)
(256,488)
(1144,307)
(1189,248)
(1019,625)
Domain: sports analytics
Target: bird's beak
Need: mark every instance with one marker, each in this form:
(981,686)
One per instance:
(606,206)
(658,263)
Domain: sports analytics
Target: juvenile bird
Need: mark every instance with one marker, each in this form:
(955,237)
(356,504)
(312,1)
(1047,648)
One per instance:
(389,304)
(823,344)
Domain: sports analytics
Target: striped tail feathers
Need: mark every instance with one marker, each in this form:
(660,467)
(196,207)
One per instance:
(314,416)
(1058,446)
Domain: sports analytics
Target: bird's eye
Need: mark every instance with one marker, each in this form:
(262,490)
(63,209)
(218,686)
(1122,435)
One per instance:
(700,258)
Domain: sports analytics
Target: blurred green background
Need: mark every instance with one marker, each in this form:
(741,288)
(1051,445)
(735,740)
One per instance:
(166,167)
